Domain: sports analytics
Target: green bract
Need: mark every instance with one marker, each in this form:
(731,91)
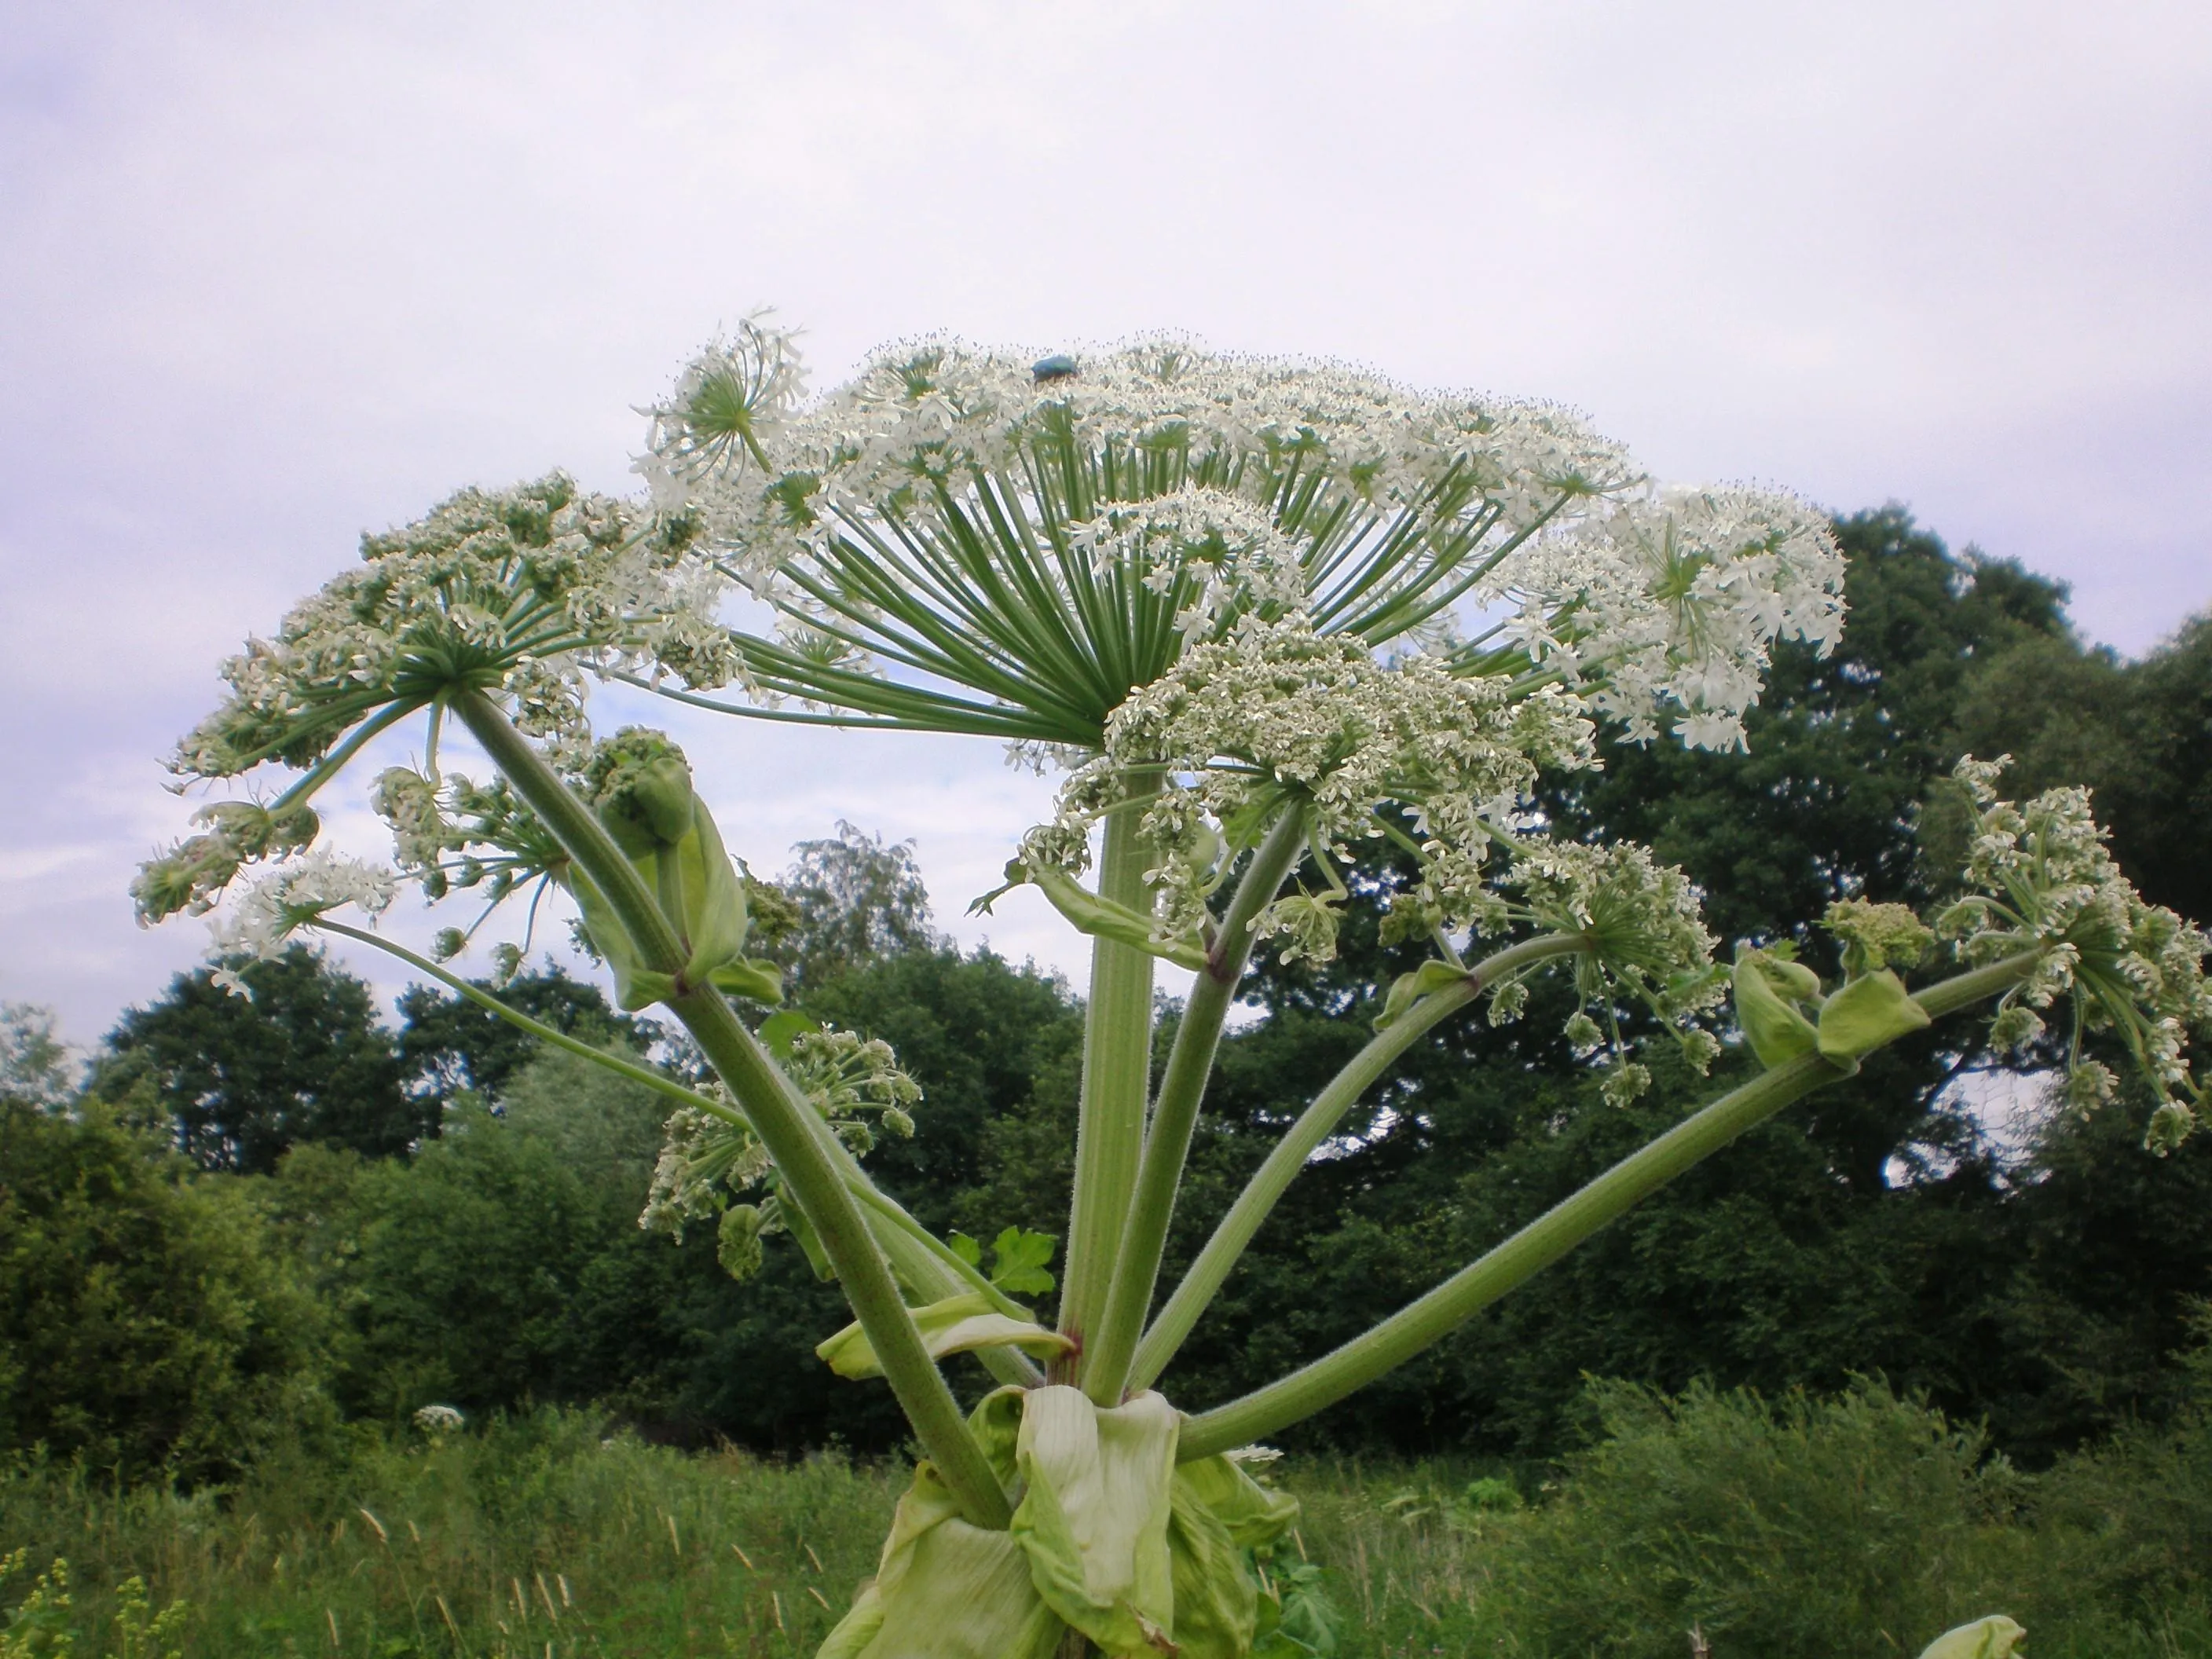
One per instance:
(1111,1538)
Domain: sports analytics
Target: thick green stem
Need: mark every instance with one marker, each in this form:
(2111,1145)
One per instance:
(1174,1113)
(1548,1237)
(788,1125)
(916,1254)
(1234,1234)
(1117,1044)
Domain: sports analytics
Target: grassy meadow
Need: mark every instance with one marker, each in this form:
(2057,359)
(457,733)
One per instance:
(1862,1525)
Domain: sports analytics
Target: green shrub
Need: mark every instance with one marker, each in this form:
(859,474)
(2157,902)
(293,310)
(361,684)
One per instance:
(146,1325)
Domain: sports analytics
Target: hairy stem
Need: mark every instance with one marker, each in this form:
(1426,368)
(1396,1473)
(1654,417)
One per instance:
(1117,1041)
(1175,1112)
(1273,1179)
(1551,1235)
(788,1125)
(916,1254)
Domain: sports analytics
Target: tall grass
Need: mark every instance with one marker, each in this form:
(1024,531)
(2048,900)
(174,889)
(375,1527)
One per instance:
(538,1538)
(1798,1528)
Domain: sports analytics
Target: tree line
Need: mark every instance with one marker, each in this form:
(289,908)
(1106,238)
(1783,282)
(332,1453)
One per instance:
(284,1216)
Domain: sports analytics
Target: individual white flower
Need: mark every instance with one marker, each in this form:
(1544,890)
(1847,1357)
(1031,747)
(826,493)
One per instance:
(435,1420)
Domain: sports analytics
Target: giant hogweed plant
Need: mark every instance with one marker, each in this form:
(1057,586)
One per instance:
(1262,617)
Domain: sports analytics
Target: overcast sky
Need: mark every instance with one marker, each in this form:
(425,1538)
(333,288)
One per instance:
(271,275)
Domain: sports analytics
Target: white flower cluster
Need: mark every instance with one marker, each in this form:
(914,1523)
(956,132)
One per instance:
(1668,604)
(286,897)
(854,1082)
(935,409)
(1278,715)
(1211,551)
(2047,883)
(514,591)
(1400,508)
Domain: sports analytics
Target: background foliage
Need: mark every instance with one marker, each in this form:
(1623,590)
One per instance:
(281,1224)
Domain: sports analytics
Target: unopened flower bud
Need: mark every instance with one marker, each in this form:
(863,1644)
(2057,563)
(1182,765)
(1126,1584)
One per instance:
(642,785)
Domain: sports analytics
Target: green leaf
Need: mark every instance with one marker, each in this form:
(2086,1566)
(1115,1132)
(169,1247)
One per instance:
(1409,988)
(738,1241)
(777,1031)
(710,912)
(1870,1011)
(755,979)
(1991,1637)
(945,1589)
(1018,1261)
(965,1247)
(1094,1514)
(1103,918)
(1220,1514)
(1777,1032)
(958,1324)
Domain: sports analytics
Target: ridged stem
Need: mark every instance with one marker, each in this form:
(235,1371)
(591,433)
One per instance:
(788,1125)
(916,1254)
(1175,1112)
(1551,1235)
(1233,1236)
(1117,1044)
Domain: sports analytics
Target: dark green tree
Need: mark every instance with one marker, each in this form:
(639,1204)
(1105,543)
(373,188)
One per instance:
(448,1043)
(241,1080)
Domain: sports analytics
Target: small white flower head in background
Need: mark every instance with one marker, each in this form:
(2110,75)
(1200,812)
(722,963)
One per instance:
(2043,882)
(1253,1456)
(438,1420)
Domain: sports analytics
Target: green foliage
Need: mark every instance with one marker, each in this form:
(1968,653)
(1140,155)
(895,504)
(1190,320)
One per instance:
(1823,1530)
(447,1044)
(2138,734)
(1019,1260)
(146,1324)
(543,1529)
(242,1081)
(1772,1512)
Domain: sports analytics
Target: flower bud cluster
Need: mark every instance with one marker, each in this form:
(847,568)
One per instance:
(192,875)
(463,834)
(710,1159)
(2044,882)
(1278,715)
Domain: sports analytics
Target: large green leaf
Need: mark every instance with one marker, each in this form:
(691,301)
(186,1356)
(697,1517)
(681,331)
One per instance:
(1991,1637)
(946,1590)
(957,1325)
(1094,1514)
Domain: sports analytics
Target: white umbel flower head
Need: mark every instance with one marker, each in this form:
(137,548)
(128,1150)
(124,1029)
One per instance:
(258,923)
(976,540)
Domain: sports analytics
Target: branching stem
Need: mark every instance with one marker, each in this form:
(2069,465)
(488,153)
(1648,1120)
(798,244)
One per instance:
(1175,1112)
(1235,1233)
(788,1124)
(1551,1235)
